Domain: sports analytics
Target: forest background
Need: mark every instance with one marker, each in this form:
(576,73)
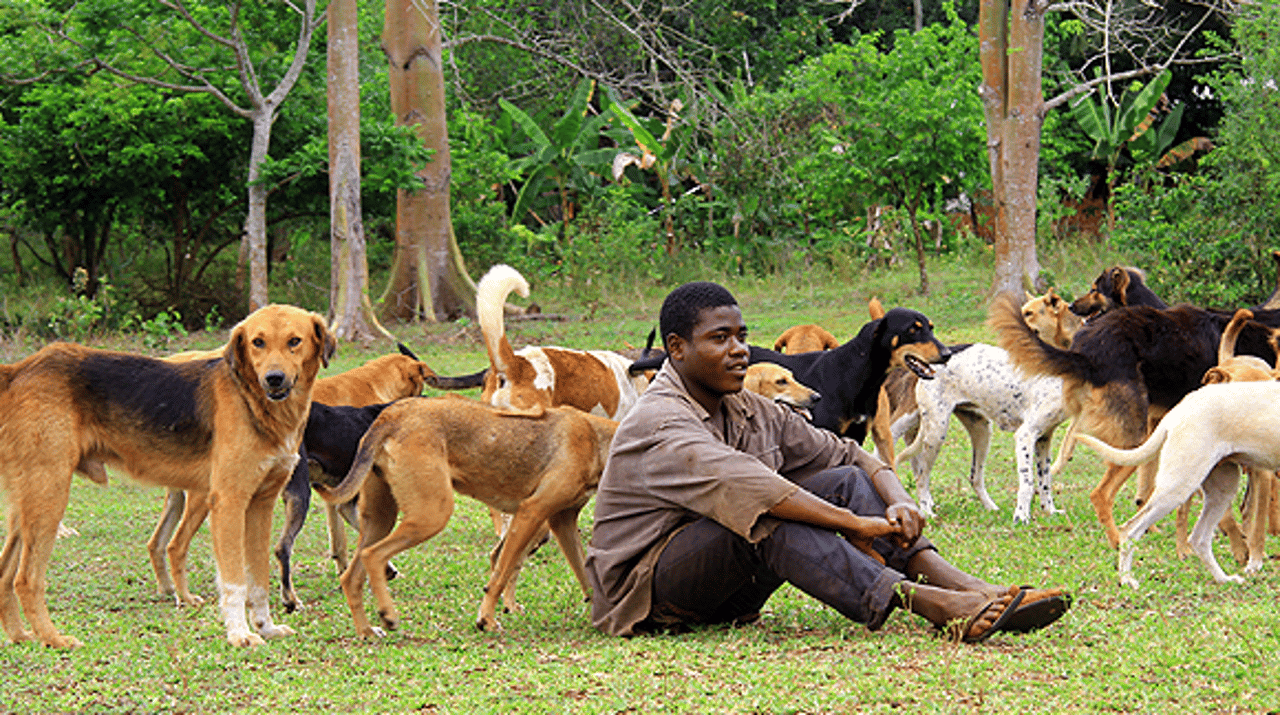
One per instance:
(627,142)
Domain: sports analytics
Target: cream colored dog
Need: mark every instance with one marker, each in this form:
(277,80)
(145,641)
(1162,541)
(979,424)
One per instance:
(1200,442)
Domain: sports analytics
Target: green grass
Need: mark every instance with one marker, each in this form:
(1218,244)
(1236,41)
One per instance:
(1178,644)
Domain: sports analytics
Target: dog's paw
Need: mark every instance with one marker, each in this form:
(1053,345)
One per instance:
(1021,516)
(244,639)
(373,632)
(1253,567)
(63,642)
(189,599)
(274,630)
(1129,581)
(488,624)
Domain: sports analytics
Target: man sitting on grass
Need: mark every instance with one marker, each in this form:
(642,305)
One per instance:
(714,497)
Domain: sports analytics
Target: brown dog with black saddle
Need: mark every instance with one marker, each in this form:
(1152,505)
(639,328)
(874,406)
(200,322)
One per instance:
(227,429)
(420,450)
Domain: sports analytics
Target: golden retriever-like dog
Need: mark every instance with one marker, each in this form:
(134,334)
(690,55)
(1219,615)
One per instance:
(420,450)
(226,429)
(383,379)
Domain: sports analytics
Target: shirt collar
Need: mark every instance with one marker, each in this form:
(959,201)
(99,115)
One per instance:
(737,408)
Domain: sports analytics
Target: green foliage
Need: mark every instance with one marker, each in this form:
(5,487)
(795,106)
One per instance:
(1193,248)
(1208,238)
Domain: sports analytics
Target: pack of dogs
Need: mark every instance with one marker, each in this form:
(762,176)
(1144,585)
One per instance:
(228,432)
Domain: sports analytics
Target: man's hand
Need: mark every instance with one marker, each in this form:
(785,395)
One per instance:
(907,518)
(865,528)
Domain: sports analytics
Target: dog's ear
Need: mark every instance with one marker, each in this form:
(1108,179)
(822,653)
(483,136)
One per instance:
(874,307)
(1215,375)
(1120,281)
(325,342)
(236,357)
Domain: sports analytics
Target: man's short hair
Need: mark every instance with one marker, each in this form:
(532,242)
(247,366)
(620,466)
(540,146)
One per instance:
(681,308)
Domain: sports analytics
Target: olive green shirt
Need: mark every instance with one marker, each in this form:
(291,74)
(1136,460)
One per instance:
(672,463)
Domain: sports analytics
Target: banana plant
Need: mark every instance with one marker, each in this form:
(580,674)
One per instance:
(651,151)
(1131,124)
(563,156)
(1111,133)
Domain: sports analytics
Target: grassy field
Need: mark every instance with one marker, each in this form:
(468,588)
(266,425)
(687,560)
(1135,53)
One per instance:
(1178,644)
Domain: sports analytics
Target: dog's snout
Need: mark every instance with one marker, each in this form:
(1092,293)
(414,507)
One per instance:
(944,354)
(274,379)
(816,396)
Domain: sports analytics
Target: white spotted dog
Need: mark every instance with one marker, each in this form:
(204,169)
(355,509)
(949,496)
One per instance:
(1200,442)
(980,385)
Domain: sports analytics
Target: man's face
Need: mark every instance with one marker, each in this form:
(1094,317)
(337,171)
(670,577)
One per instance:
(714,362)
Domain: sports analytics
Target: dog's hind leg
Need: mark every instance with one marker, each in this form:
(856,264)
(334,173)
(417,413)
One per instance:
(10,614)
(1258,496)
(564,524)
(174,502)
(194,511)
(40,507)
(425,494)
(297,501)
(979,429)
(1103,498)
(1219,491)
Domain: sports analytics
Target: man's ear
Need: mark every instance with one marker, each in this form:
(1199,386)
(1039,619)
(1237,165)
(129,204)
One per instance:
(675,346)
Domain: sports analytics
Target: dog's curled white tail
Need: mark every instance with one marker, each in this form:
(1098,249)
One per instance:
(1141,454)
(491,294)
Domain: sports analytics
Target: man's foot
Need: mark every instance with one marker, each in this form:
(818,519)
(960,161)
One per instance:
(989,618)
(1039,608)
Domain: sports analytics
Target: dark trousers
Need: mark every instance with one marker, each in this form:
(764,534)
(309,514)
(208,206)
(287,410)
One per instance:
(708,574)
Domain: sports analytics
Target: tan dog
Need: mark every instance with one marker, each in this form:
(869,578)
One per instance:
(227,430)
(1200,442)
(1051,318)
(535,378)
(1247,546)
(807,338)
(419,451)
(778,384)
(383,379)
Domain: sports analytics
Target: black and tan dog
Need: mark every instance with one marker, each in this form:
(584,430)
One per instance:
(225,430)
(1123,367)
(378,381)
(1116,287)
(420,450)
(849,377)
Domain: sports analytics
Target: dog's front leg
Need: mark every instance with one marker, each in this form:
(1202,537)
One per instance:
(227,509)
(258,558)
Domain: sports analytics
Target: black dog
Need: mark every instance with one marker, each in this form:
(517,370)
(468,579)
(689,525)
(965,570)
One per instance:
(328,447)
(849,377)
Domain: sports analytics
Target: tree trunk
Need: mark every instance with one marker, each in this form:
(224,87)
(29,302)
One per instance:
(350,314)
(1012,36)
(255,223)
(428,277)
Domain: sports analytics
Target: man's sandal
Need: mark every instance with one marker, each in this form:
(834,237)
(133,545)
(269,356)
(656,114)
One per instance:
(1039,608)
(964,632)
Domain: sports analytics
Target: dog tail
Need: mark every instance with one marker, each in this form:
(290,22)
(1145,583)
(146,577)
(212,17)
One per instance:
(1227,345)
(367,453)
(910,450)
(1141,454)
(1027,351)
(491,294)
